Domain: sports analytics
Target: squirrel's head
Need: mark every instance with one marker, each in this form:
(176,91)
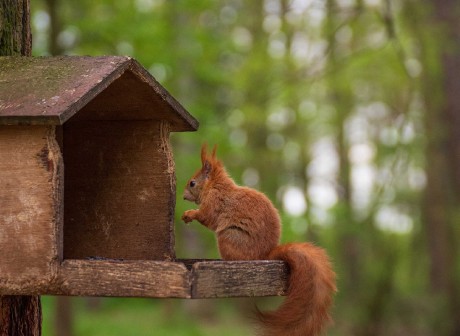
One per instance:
(196,185)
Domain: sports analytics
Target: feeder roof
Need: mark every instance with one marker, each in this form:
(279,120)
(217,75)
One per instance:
(52,90)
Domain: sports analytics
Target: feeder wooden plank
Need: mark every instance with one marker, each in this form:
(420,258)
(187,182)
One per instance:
(158,279)
(214,279)
(188,279)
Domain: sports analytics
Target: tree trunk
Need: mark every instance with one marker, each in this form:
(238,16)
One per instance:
(447,14)
(55,27)
(15,33)
(19,315)
(342,99)
(63,316)
(440,84)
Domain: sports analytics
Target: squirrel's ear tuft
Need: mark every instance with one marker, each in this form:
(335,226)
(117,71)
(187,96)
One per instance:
(204,149)
(206,161)
(207,167)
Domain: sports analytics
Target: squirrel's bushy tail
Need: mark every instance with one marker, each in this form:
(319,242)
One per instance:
(310,292)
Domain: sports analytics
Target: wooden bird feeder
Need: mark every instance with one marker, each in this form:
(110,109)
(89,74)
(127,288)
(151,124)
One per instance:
(88,187)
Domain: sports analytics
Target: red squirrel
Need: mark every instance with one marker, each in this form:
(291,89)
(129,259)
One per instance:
(248,227)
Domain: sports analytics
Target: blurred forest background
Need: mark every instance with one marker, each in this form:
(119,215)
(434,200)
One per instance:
(346,113)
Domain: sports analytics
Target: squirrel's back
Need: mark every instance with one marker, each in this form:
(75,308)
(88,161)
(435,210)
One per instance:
(250,225)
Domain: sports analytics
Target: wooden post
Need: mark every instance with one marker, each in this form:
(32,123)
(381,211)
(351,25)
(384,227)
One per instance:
(19,315)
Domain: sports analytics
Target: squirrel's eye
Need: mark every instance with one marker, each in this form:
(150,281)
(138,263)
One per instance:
(192,183)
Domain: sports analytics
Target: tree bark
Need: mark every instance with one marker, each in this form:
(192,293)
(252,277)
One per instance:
(19,315)
(15,33)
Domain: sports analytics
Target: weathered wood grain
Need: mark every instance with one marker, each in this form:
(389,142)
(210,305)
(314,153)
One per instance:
(182,279)
(159,279)
(119,190)
(30,212)
(214,279)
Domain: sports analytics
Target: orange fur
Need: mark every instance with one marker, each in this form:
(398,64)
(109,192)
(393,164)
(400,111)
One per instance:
(248,227)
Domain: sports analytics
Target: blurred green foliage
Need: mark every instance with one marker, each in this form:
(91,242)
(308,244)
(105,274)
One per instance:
(145,317)
(317,103)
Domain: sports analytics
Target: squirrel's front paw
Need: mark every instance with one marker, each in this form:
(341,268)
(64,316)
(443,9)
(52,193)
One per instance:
(189,216)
